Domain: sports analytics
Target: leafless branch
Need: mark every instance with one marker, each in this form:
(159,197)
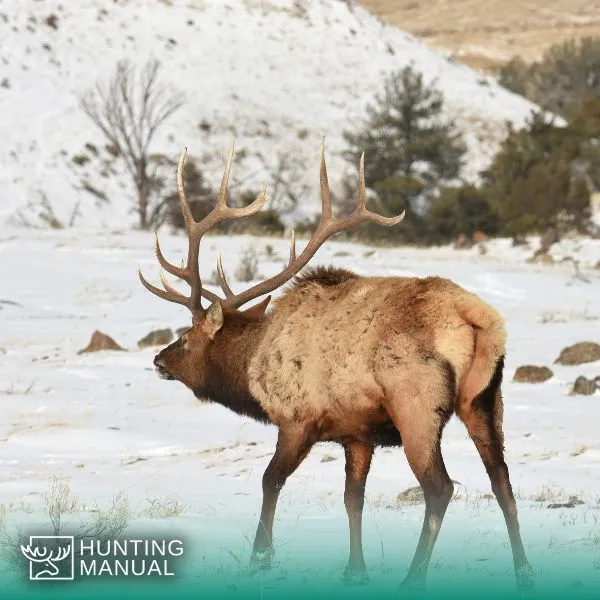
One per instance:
(129,110)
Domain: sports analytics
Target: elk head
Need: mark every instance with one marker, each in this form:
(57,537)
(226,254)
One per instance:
(188,358)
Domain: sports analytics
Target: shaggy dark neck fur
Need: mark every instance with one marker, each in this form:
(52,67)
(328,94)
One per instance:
(227,368)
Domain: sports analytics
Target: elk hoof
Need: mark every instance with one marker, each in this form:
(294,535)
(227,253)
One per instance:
(414,585)
(261,561)
(355,576)
(525,580)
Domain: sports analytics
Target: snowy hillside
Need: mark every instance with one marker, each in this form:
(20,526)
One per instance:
(279,74)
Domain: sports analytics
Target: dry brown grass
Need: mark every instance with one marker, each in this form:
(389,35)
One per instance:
(484,33)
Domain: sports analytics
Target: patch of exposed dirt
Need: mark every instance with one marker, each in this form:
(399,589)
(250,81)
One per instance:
(486,33)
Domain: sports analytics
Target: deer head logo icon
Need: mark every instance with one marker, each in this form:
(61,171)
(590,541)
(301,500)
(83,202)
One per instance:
(44,552)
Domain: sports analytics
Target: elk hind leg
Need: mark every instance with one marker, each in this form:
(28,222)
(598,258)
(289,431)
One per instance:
(420,414)
(483,419)
(358,463)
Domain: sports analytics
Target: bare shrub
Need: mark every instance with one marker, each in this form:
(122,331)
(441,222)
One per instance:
(59,505)
(129,110)
(163,508)
(247,269)
(41,213)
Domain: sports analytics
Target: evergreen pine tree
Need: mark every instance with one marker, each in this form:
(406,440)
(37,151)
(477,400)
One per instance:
(409,148)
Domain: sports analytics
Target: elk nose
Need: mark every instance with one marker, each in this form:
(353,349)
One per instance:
(161,368)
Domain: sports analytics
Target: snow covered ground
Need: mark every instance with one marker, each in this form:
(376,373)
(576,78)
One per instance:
(106,423)
(280,74)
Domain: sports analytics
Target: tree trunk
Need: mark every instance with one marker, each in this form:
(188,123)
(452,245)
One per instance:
(143,206)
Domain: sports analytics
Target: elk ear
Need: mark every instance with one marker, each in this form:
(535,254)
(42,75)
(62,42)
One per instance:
(213,320)
(258,310)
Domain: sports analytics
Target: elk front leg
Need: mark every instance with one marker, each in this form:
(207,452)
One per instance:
(358,463)
(292,448)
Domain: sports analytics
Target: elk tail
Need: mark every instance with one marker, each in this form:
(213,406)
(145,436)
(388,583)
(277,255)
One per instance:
(488,349)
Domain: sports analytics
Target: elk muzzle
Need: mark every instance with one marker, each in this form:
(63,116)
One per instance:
(161,368)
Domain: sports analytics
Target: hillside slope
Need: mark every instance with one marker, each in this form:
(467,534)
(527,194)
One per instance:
(486,33)
(278,74)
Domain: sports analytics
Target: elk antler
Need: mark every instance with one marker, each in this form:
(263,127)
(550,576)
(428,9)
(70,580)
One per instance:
(195,230)
(327,227)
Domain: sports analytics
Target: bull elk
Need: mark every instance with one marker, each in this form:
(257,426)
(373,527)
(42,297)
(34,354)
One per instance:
(362,361)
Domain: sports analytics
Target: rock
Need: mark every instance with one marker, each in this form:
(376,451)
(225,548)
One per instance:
(328,458)
(584,386)
(52,21)
(578,354)
(597,266)
(372,253)
(572,503)
(100,341)
(158,337)
(180,331)
(414,494)
(532,374)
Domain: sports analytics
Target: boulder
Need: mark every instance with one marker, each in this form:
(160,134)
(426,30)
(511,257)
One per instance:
(100,341)
(532,374)
(578,354)
(158,337)
(584,386)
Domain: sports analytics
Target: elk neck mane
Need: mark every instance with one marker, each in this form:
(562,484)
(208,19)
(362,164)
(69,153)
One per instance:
(322,275)
(226,377)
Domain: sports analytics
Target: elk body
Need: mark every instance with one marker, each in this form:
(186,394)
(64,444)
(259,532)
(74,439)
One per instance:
(362,361)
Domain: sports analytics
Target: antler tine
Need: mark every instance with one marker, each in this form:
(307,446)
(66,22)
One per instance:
(222,199)
(362,188)
(165,264)
(205,293)
(172,296)
(251,209)
(292,248)
(326,214)
(221,209)
(166,284)
(361,211)
(222,279)
(183,203)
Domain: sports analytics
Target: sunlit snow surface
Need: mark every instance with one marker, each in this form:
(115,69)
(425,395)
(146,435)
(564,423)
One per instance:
(107,423)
